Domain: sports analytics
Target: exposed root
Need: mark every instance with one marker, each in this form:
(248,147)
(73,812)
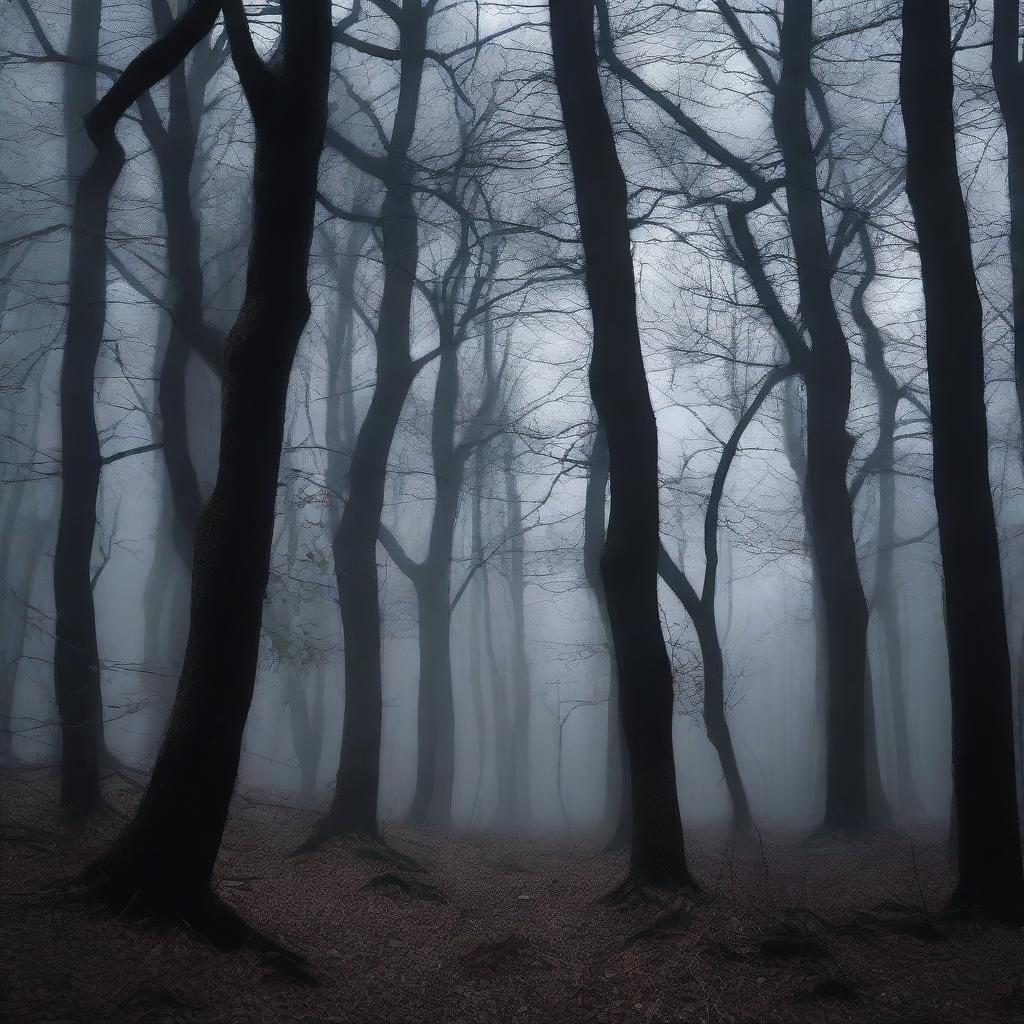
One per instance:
(393,884)
(204,914)
(636,892)
(676,921)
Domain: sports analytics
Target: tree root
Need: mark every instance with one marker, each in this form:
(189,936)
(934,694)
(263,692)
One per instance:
(391,883)
(205,914)
(638,892)
(364,846)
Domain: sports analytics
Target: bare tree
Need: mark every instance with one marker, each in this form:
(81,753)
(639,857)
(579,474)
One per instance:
(987,827)
(618,384)
(163,861)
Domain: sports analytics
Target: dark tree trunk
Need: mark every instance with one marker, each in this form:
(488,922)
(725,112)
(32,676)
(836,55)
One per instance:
(353,809)
(76,657)
(24,542)
(175,148)
(435,774)
(1008,77)
(618,383)
(828,444)
(988,836)
(703,613)
(163,861)
(618,812)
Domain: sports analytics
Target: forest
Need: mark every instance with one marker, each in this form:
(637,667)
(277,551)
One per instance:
(511,511)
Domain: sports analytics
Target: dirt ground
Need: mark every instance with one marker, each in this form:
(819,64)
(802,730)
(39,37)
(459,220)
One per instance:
(499,929)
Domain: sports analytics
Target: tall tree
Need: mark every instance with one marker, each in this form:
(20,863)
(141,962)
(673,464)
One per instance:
(824,365)
(987,827)
(353,807)
(618,385)
(700,606)
(457,300)
(76,668)
(885,603)
(163,861)
(1008,78)
(828,443)
(175,143)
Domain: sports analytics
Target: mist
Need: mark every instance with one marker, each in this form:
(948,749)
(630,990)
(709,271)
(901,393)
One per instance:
(585,433)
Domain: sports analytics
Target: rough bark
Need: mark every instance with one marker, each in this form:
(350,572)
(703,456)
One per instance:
(987,826)
(618,384)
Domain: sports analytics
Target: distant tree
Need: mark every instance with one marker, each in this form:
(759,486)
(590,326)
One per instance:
(700,606)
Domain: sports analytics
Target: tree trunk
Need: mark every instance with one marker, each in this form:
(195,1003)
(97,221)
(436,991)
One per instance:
(353,809)
(617,810)
(884,603)
(828,444)
(163,861)
(435,776)
(618,383)
(76,657)
(1008,77)
(519,682)
(988,853)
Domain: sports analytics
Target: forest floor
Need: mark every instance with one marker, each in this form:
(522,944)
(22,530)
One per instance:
(505,930)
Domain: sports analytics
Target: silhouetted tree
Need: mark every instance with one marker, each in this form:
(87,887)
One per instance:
(163,861)
(987,829)
(618,384)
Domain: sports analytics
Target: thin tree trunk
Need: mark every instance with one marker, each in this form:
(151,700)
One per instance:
(353,809)
(987,826)
(828,443)
(618,383)
(519,684)
(76,656)
(884,600)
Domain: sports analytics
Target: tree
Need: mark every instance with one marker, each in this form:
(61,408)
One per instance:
(76,669)
(824,364)
(618,385)
(828,443)
(987,827)
(162,863)
(701,607)
(176,147)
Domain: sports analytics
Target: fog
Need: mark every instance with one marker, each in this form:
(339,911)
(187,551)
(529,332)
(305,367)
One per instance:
(497,422)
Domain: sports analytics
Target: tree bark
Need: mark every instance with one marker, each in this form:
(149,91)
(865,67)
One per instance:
(435,775)
(76,655)
(617,809)
(162,863)
(618,384)
(828,444)
(353,808)
(987,826)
